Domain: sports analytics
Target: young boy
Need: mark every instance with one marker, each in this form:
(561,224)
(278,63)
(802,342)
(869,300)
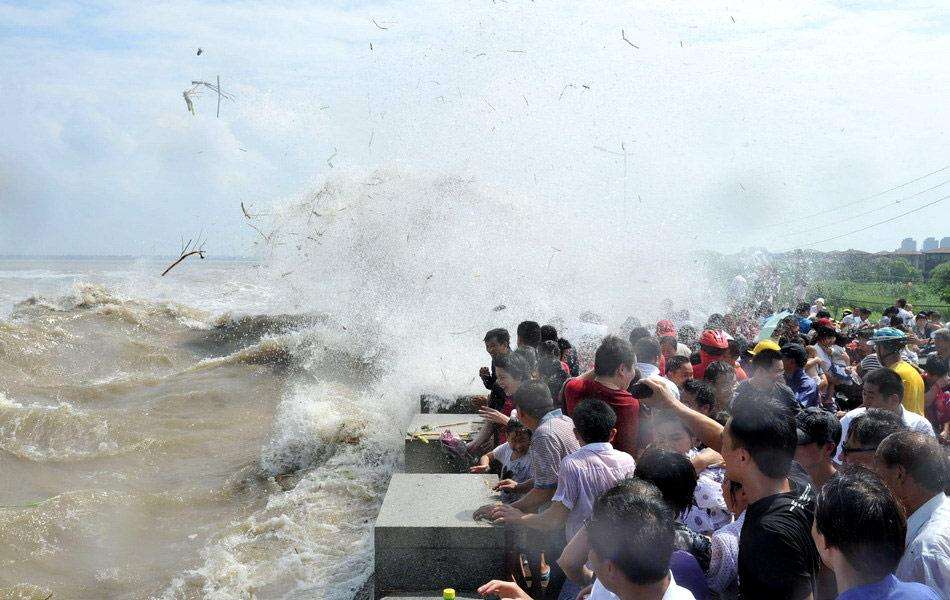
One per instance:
(513,456)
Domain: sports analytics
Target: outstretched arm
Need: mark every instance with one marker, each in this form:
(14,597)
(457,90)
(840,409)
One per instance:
(706,429)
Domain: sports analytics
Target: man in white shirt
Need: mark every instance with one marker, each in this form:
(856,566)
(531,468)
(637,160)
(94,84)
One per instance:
(647,351)
(883,389)
(917,469)
(631,542)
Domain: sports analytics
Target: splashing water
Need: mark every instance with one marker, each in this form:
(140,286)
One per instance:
(372,289)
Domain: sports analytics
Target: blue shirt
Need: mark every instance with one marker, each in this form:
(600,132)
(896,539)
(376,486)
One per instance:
(804,325)
(890,588)
(805,388)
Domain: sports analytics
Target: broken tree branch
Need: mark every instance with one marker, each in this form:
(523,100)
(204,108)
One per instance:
(623,35)
(191,248)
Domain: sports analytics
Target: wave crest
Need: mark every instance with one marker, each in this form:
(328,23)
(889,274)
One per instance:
(60,432)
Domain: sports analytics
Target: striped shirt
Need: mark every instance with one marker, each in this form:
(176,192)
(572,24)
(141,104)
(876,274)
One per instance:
(552,440)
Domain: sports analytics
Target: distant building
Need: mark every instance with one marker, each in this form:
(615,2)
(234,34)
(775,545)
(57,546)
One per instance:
(908,245)
(929,244)
(945,242)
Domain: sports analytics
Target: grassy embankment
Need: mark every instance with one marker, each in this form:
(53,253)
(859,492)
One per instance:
(841,294)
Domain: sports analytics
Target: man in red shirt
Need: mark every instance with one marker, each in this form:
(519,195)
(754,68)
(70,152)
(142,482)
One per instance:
(713,344)
(612,374)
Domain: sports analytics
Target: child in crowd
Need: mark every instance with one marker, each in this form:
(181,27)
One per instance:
(708,511)
(513,456)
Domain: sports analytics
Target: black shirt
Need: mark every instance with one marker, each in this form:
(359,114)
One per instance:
(777,556)
(496,397)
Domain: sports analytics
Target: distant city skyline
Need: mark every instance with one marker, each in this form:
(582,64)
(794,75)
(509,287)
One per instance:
(909,244)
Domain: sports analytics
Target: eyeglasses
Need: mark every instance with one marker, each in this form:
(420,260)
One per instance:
(847,450)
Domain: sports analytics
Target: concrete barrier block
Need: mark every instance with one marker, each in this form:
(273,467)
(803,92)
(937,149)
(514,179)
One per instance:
(426,539)
(424,452)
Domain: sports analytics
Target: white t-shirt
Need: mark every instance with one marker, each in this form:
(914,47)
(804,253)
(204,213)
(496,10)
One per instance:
(674,592)
(520,467)
(913,421)
(906,315)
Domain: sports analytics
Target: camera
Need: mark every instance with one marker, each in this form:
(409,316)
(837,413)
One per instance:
(640,390)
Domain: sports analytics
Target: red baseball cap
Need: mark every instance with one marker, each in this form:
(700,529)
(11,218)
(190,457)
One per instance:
(665,327)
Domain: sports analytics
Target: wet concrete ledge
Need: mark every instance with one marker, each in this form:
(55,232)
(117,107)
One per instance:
(423,450)
(426,539)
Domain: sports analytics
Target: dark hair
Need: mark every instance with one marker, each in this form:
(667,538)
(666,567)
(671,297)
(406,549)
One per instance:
(668,339)
(675,362)
(550,349)
(515,426)
(533,399)
(530,333)
(500,335)
(796,352)
(870,428)
(766,429)
(823,314)
(672,473)
(901,303)
(516,364)
(717,368)
(705,394)
(922,457)
(803,307)
(612,353)
(632,527)
(763,359)
(859,516)
(638,333)
(887,382)
(563,344)
(647,350)
(934,366)
(735,347)
(594,419)
(819,426)
(687,334)
(548,332)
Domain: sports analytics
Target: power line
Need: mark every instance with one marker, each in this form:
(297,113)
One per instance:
(894,218)
(873,210)
(852,203)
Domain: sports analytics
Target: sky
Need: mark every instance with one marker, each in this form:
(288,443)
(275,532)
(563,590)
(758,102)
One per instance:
(736,124)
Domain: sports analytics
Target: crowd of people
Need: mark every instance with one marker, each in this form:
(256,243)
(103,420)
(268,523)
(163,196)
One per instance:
(793,456)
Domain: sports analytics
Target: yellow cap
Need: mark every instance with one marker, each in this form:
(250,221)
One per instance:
(765,345)
(448,594)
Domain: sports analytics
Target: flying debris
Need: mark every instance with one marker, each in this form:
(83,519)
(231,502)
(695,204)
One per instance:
(199,51)
(623,36)
(195,91)
(192,248)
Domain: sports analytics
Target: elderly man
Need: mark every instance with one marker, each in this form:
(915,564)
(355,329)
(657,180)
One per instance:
(916,468)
